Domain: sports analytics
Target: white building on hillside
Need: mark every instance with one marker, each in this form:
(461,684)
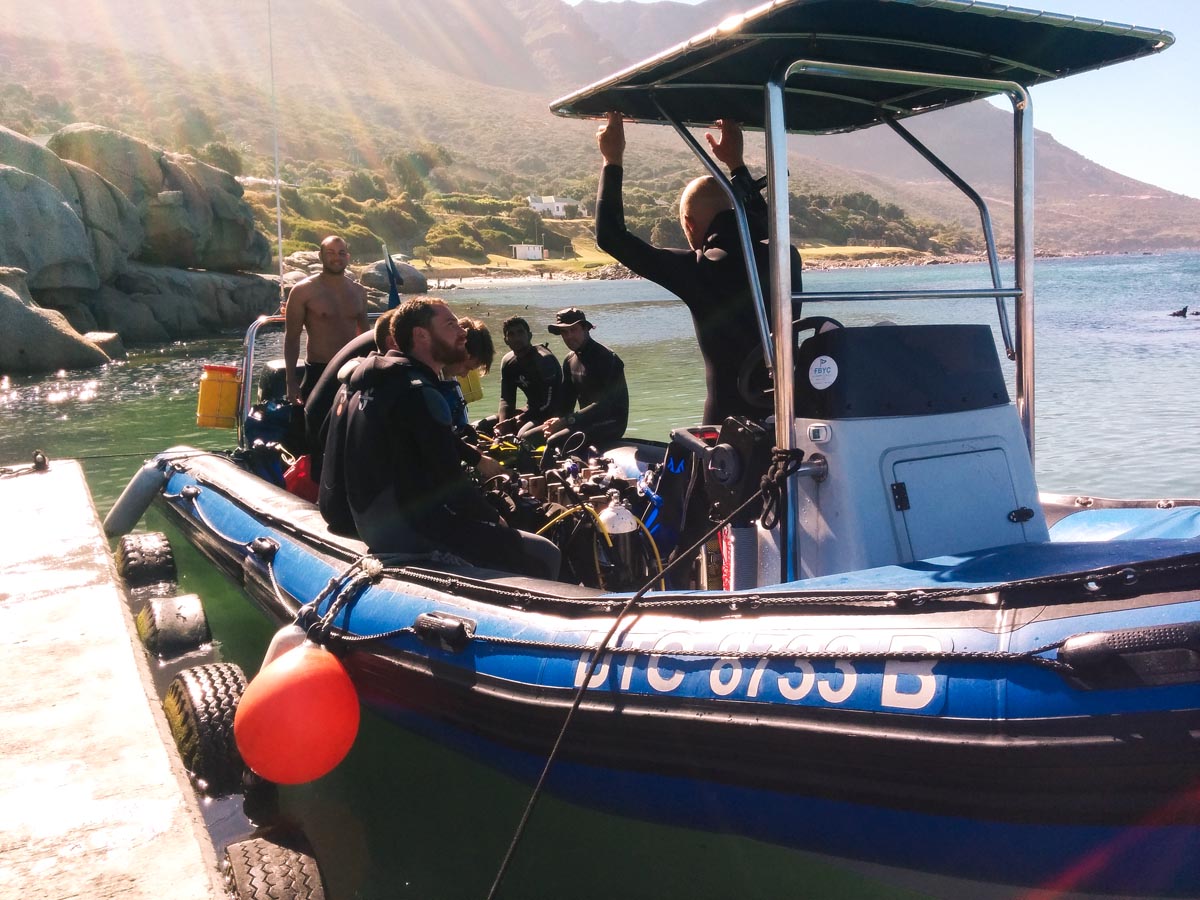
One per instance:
(555,207)
(526,251)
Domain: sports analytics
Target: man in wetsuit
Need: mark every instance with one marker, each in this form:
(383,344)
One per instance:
(402,464)
(595,377)
(535,371)
(331,308)
(711,276)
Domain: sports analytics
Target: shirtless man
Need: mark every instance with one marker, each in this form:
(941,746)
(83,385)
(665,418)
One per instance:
(331,308)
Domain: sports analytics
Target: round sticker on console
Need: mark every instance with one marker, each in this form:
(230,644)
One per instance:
(823,372)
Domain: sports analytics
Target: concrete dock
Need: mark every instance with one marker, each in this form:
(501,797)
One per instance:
(94,801)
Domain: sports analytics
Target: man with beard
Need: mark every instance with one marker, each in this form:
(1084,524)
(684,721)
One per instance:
(402,463)
(710,276)
(331,308)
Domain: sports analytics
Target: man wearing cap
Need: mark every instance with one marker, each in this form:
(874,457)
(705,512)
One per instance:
(710,277)
(594,377)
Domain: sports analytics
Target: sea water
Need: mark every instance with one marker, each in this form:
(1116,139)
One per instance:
(403,817)
(1114,371)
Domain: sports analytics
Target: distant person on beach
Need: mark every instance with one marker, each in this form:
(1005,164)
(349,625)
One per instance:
(401,463)
(593,377)
(710,277)
(331,308)
(532,369)
(480,353)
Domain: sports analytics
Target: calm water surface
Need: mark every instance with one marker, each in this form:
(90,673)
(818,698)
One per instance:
(405,818)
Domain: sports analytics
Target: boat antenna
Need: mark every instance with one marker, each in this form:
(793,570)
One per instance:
(275,140)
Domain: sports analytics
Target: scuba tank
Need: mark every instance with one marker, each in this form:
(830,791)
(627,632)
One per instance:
(627,566)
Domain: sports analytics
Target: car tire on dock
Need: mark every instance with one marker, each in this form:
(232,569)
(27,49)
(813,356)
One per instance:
(145,559)
(272,868)
(171,626)
(200,705)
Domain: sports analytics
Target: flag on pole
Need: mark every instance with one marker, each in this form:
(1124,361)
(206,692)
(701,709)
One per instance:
(394,279)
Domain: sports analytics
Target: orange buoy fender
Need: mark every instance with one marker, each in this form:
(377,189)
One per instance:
(299,716)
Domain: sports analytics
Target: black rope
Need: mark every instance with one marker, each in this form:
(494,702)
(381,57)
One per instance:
(322,631)
(784,464)
(41,463)
(1097,583)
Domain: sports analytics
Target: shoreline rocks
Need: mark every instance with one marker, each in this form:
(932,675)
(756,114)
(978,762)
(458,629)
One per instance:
(31,336)
(104,234)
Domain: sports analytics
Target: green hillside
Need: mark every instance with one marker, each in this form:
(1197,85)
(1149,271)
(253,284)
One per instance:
(428,132)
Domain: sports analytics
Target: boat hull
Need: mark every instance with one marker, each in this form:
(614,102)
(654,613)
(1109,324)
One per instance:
(820,727)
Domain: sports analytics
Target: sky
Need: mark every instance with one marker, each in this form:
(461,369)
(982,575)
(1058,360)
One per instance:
(1138,118)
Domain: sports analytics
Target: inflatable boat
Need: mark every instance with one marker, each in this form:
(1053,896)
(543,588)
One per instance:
(895,649)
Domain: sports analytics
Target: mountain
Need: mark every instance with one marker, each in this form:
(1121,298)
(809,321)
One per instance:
(357,80)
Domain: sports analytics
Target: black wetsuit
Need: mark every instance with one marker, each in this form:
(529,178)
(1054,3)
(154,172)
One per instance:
(391,449)
(312,374)
(711,281)
(539,377)
(320,399)
(595,377)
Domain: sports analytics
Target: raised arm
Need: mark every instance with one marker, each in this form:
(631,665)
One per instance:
(670,268)
(728,147)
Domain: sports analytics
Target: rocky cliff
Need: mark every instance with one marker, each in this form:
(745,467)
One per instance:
(104,235)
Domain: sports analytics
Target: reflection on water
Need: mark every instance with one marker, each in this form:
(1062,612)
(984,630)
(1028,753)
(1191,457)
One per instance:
(1114,371)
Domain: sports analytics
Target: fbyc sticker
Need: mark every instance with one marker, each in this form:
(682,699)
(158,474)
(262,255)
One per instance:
(823,372)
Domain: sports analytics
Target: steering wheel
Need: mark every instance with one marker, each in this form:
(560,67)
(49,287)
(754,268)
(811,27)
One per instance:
(754,381)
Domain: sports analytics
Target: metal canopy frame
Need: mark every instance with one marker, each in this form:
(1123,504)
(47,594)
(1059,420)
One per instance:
(783,301)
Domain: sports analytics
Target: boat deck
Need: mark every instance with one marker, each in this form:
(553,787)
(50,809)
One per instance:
(94,801)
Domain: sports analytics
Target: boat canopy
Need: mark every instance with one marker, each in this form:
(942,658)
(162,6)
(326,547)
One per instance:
(827,66)
(721,72)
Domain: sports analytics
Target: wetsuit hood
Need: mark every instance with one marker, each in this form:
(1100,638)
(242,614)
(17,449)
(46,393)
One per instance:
(722,231)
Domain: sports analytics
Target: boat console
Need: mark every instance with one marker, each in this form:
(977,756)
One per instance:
(926,455)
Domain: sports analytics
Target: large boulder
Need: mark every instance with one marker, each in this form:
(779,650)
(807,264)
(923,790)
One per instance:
(28,155)
(41,233)
(193,213)
(109,342)
(233,242)
(15,280)
(218,301)
(130,164)
(154,304)
(133,321)
(375,276)
(307,262)
(34,340)
(113,223)
(75,304)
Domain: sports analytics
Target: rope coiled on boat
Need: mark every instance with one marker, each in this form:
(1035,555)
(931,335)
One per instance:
(784,464)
